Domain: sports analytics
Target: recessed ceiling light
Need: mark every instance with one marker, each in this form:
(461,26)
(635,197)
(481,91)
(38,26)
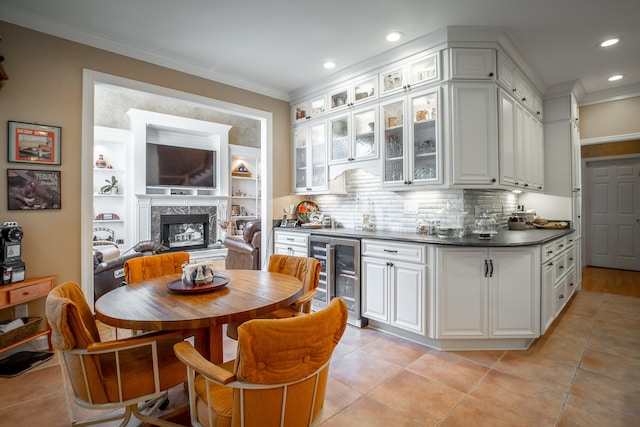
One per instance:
(615,77)
(329,65)
(394,36)
(610,42)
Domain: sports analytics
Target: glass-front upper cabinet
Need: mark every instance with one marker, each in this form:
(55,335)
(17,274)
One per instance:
(353,137)
(420,70)
(353,94)
(309,109)
(310,157)
(424,114)
(393,149)
(411,146)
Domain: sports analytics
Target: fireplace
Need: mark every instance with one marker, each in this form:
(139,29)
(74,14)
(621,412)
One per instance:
(185,232)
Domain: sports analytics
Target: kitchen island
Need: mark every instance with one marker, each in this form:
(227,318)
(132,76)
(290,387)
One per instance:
(463,293)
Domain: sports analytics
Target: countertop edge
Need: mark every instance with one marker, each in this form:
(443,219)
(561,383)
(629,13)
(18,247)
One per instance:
(504,238)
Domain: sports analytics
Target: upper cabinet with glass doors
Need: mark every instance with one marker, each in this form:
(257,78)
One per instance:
(310,157)
(402,77)
(353,94)
(353,136)
(411,144)
(309,109)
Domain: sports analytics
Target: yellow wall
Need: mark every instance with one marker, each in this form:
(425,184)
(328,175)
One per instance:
(45,87)
(610,118)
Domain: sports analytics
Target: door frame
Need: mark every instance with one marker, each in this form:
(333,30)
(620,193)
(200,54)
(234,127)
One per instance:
(92,78)
(587,195)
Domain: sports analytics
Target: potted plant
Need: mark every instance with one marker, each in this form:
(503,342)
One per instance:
(111,187)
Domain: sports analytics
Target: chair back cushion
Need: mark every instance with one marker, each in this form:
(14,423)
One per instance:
(306,269)
(277,351)
(73,327)
(139,269)
(71,320)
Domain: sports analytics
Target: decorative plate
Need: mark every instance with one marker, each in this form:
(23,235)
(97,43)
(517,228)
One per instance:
(303,210)
(218,282)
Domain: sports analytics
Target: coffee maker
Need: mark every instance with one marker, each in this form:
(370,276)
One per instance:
(10,252)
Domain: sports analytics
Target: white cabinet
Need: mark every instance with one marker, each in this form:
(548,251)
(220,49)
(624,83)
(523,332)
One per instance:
(521,145)
(353,136)
(395,284)
(353,93)
(309,109)
(111,210)
(291,243)
(514,82)
(411,140)
(488,293)
(310,157)
(474,131)
(560,275)
(417,70)
(473,64)
(245,181)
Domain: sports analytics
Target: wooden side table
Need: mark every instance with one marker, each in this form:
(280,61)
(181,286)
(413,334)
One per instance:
(22,292)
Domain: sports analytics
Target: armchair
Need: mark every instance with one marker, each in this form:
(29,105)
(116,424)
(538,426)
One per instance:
(279,376)
(244,252)
(133,373)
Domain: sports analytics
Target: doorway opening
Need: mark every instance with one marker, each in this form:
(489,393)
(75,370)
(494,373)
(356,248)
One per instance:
(106,98)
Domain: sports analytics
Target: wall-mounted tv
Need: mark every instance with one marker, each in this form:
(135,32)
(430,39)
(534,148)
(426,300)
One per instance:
(174,166)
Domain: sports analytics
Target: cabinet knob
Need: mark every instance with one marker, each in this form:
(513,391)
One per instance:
(524,99)
(526,185)
(493,180)
(538,112)
(513,90)
(308,117)
(490,74)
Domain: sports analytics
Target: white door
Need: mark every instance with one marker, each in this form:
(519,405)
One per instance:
(613,213)
(408,296)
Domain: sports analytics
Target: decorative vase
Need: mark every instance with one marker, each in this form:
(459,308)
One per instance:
(101,162)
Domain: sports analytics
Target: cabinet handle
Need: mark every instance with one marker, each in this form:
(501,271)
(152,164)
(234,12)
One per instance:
(561,296)
(538,112)
(514,89)
(561,267)
(570,284)
(291,239)
(524,99)
(550,264)
(490,74)
(526,185)
(549,252)
(389,264)
(393,251)
(491,264)
(486,268)
(493,180)
(571,259)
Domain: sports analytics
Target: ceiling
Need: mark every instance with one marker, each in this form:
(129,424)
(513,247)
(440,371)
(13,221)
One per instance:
(274,47)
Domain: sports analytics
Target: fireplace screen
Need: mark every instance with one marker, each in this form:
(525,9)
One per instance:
(185,232)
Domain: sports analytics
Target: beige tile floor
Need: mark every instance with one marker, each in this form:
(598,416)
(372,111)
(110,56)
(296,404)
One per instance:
(584,372)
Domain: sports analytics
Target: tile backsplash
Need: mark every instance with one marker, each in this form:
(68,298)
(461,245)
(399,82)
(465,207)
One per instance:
(399,210)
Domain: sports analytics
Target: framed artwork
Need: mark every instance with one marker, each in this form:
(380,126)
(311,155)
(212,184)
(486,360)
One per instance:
(33,143)
(33,189)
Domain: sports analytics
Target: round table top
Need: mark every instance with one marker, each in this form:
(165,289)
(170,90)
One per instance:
(150,305)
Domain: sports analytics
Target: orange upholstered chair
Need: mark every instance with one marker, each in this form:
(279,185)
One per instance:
(139,269)
(133,373)
(306,269)
(279,376)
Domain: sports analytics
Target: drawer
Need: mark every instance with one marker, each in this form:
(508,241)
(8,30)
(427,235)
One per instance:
(548,251)
(560,244)
(27,293)
(561,297)
(560,264)
(291,238)
(386,249)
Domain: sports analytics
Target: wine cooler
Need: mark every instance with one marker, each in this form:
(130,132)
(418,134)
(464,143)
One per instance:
(340,274)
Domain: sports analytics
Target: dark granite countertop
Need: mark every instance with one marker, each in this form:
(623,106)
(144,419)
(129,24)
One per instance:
(504,237)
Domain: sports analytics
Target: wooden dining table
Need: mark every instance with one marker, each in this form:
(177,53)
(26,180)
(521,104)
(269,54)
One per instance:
(151,306)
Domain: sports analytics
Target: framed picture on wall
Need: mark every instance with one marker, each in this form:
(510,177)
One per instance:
(33,143)
(33,189)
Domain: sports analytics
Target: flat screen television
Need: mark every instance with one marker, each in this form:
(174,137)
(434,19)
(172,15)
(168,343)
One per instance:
(173,166)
